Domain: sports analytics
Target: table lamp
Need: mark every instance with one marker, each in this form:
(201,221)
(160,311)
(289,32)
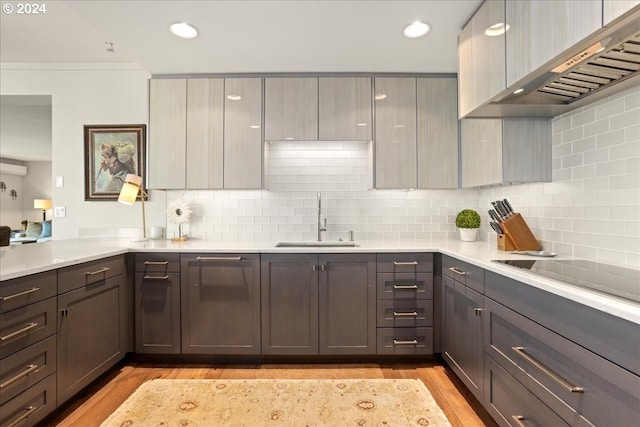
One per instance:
(43,204)
(129,193)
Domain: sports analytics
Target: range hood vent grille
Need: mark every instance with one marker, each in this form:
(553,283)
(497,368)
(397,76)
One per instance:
(605,68)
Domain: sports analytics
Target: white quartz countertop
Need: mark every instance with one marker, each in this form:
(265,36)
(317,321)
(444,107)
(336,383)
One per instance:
(22,260)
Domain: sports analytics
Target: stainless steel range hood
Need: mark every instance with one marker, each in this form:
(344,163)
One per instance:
(605,63)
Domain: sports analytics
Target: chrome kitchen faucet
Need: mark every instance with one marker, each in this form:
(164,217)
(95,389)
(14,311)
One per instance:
(321,227)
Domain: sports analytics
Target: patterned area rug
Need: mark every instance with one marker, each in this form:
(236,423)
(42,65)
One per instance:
(253,403)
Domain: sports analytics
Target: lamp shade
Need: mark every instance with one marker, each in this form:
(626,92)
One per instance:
(130,189)
(42,204)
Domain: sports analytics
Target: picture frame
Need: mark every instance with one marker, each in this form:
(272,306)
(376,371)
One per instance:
(111,152)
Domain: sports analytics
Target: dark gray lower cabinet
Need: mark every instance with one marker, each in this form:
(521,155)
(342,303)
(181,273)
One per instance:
(157,303)
(220,303)
(91,333)
(462,337)
(347,304)
(511,404)
(318,304)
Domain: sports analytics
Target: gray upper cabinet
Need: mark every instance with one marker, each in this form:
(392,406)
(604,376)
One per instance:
(496,151)
(481,58)
(205,115)
(613,9)
(243,133)
(540,30)
(437,133)
(344,109)
(205,133)
(167,133)
(395,132)
(291,109)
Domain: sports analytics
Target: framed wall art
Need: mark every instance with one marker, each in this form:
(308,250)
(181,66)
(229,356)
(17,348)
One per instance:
(111,152)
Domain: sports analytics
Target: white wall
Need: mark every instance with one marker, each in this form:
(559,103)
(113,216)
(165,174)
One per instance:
(10,209)
(84,94)
(592,208)
(36,185)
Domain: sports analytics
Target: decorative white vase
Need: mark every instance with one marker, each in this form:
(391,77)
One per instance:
(468,234)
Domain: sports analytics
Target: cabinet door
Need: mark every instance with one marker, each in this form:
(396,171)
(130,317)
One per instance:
(481,58)
(289,297)
(437,133)
(205,124)
(613,9)
(157,313)
(91,335)
(526,150)
(347,304)
(291,109)
(395,132)
(481,152)
(344,109)
(243,133)
(462,338)
(541,30)
(167,133)
(221,304)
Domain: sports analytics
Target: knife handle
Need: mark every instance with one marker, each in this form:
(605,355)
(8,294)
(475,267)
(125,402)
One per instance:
(508,205)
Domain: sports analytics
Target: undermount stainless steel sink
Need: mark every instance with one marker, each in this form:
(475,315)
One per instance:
(317,244)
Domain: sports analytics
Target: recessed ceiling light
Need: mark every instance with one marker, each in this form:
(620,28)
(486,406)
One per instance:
(497,29)
(517,91)
(184,30)
(380,96)
(415,30)
(361,124)
(254,126)
(234,97)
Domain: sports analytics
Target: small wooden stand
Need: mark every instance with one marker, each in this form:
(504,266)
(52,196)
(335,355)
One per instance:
(517,235)
(179,239)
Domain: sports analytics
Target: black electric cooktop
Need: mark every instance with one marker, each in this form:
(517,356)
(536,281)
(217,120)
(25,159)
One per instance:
(604,278)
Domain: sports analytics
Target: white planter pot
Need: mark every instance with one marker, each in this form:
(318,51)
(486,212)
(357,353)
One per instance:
(468,234)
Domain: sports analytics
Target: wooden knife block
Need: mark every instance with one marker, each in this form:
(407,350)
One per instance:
(518,235)
(505,243)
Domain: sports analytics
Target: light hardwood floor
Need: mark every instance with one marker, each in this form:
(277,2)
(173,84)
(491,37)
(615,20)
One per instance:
(102,398)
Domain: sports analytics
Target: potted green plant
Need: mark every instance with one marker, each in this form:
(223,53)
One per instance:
(468,222)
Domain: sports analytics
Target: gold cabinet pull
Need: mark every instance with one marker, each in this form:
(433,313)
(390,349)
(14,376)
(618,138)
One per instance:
(458,271)
(404,342)
(102,270)
(518,420)
(19,294)
(24,330)
(405,314)
(396,286)
(405,262)
(219,259)
(165,277)
(30,369)
(156,262)
(547,371)
(30,410)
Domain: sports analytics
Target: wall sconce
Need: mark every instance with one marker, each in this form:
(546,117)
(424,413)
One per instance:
(3,186)
(14,194)
(129,193)
(43,204)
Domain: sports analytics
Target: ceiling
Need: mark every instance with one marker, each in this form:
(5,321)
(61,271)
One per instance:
(240,36)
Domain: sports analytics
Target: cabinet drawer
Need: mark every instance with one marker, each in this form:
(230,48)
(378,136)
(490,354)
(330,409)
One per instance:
(405,313)
(463,272)
(23,369)
(565,376)
(405,263)
(26,290)
(510,403)
(405,285)
(405,340)
(157,262)
(77,276)
(30,406)
(27,325)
